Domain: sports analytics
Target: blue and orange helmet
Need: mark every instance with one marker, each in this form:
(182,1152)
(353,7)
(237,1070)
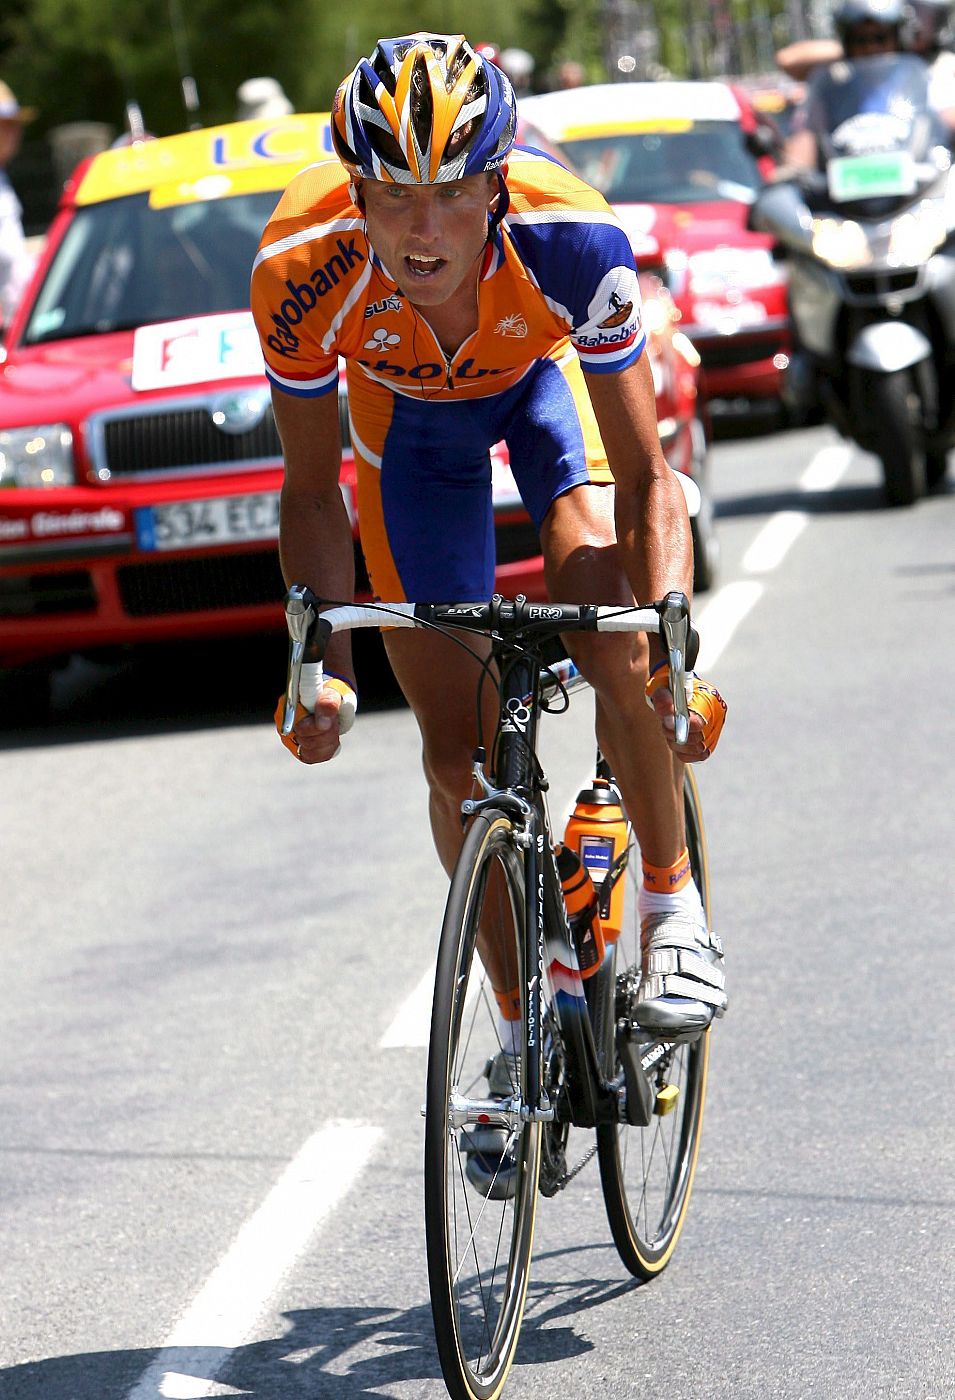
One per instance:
(423,109)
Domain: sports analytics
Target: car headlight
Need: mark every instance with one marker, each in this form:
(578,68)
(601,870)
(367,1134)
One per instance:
(37,456)
(742,269)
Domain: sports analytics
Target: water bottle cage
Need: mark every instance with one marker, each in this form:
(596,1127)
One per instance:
(605,889)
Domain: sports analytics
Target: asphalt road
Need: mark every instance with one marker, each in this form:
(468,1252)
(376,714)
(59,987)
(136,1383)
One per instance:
(214,993)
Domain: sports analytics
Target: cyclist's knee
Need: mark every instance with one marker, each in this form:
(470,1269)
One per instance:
(615,665)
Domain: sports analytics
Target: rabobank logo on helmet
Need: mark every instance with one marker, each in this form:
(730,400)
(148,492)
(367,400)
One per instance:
(303,297)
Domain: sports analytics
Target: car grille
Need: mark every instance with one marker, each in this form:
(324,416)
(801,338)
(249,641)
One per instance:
(210,583)
(730,351)
(183,438)
(40,595)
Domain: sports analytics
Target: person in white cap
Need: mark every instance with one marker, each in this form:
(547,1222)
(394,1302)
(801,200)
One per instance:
(261,97)
(15,262)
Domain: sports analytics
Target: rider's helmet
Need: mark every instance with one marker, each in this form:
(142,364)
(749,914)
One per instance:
(930,27)
(855,15)
(423,109)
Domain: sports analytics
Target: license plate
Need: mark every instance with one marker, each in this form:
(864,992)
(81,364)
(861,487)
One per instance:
(203,524)
(872,176)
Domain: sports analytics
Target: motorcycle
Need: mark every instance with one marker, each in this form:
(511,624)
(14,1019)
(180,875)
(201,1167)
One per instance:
(871,252)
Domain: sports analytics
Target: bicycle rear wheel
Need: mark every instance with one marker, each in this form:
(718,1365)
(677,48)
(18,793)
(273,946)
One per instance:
(647,1173)
(479,1248)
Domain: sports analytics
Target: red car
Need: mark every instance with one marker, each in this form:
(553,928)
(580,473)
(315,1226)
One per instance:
(681,162)
(139,461)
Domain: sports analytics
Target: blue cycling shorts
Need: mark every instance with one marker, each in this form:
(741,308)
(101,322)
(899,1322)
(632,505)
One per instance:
(424,475)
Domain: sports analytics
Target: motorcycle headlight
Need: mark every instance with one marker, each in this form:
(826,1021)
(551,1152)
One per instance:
(37,456)
(914,237)
(840,243)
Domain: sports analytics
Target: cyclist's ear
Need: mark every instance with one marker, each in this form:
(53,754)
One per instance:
(357,198)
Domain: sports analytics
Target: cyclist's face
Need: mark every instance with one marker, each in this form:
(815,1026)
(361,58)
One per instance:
(430,237)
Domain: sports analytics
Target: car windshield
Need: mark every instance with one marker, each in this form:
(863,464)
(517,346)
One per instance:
(123,264)
(685,163)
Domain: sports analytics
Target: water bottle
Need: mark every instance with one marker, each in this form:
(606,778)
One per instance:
(581,900)
(597,831)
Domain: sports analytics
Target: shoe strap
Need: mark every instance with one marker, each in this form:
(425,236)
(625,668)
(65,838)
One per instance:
(666,962)
(673,985)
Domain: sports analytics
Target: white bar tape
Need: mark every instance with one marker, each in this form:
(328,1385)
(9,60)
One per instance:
(614,620)
(311,683)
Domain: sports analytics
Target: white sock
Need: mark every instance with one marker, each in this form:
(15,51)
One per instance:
(685,901)
(510,1034)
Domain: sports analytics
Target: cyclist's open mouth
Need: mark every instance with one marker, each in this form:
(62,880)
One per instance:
(423,268)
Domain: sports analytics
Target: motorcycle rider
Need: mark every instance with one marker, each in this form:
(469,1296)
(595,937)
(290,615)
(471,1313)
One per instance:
(927,32)
(866,28)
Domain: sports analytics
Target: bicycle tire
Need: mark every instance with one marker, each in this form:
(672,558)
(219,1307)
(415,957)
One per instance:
(478,1248)
(647,1173)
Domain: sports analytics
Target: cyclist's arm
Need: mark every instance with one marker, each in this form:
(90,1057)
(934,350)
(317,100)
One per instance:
(653,526)
(315,534)
(653,529)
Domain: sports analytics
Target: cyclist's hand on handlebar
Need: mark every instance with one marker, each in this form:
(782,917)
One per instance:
(315,738)
(707,712)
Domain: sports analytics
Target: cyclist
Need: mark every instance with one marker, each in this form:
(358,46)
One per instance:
(477,293)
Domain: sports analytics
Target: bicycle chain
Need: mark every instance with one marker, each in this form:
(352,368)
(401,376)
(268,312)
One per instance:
(568,1177)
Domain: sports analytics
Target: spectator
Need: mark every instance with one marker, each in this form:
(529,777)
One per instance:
(15,262)
(518,64)
(261,97)
(570,74)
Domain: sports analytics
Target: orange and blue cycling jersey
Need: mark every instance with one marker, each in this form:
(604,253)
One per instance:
(557,293)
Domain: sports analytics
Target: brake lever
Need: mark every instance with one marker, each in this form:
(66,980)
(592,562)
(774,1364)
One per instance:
(300,618)
(675,626)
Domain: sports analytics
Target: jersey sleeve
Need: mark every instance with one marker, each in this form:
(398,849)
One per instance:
(309,270)
(607,330)
(295,361)
(575,248)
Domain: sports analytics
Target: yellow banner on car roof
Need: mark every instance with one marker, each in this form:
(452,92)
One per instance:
(584,131)
(211,163)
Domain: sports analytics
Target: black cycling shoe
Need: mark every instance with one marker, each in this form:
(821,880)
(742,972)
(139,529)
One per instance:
(490,1167)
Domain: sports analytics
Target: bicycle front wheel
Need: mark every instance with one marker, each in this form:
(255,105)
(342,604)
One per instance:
(647,1173)
(479,1245)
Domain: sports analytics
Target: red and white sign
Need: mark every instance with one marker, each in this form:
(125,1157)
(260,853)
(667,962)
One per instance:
(197,350)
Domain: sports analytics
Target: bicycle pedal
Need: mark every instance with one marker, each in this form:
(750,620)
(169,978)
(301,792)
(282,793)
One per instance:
(666,1100)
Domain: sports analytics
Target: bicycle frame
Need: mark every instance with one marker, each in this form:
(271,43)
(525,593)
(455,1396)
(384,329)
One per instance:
(519,631)
(549,944)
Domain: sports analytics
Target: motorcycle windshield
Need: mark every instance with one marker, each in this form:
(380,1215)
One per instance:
(874,123)
(875,104)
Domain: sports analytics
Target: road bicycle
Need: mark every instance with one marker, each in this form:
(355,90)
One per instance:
(583,1060)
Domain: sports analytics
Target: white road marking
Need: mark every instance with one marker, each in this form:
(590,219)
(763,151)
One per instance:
(826,468)
(729,605)
(224,1314)
(721,616)
(411,1026)
(771,545)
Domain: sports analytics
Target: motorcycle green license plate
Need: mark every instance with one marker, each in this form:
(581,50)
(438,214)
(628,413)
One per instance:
(872,176)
